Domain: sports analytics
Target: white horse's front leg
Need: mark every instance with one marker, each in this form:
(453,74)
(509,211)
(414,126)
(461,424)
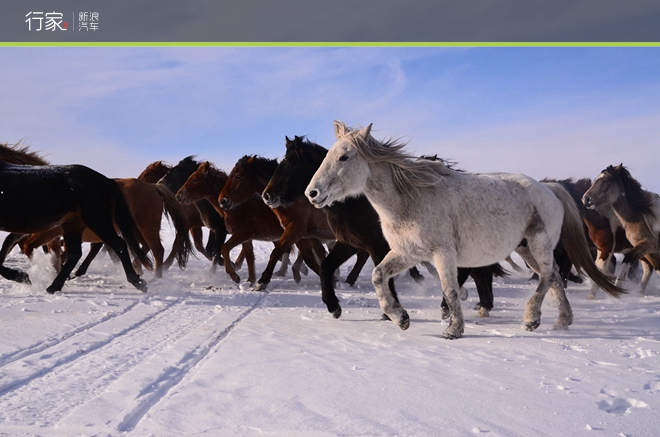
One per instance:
(391,265)
(446,266)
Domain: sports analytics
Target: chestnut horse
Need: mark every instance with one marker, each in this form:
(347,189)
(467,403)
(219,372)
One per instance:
(303,224)
(251,220)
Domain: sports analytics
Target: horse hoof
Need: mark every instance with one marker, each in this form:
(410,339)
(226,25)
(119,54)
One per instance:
(336,313)
(260,286)
(445,313)
(530,326)
(452,333)
(385,318)
(141,285)
(23,278)
(297,279)
(404,321)
(462,293)
(483,312)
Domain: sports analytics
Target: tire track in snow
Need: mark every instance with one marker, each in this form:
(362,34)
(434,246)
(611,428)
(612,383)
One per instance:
(123,405)
(23,370)
(38,347)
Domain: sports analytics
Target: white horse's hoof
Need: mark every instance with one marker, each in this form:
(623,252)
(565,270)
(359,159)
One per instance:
(453,332)
(530,326)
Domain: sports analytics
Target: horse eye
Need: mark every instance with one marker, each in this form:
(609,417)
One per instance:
(343,158)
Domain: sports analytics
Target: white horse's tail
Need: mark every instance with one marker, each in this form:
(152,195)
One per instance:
(575,242)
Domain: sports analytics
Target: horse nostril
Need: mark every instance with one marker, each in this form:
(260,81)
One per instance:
(313,193)
(266,197)
(223,202)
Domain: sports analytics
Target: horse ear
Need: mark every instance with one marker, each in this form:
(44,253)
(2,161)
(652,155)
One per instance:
(288,142)
(364,133)
(340,129)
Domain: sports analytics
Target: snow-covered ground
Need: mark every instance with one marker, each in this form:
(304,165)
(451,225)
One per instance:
(199,355)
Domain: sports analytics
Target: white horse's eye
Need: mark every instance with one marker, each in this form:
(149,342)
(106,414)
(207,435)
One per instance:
(343,158)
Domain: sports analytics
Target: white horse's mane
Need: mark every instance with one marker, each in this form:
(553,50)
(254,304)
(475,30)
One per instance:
(410,173)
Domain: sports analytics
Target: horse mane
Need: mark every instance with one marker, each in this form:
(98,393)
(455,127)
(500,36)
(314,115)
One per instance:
(18,154)
(301,148)
(638,198)
(258,167)
(217,176)
(410,175)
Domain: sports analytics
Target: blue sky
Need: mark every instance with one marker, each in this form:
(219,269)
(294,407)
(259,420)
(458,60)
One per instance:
(546,112)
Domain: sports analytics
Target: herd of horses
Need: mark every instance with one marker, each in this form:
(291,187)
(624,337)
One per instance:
(361,197)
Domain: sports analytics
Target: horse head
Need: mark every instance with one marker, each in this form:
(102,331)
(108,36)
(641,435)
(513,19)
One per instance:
(293,174)
(250,175)
(606,188)
(344,170)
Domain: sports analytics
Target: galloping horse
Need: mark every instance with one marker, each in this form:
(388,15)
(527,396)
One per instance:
(422,204)
(251,220)
(147,203)
(638,210)
(174,180)
(302,224)
(353,221)
(38,198)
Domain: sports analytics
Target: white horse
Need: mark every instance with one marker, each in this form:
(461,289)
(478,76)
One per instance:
(422,207)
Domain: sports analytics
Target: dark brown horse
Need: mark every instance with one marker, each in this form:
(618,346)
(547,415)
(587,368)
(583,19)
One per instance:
(147,203)
(615,193)
(353,221)
(302,223)
(251,220)
(38,198)
(155,172)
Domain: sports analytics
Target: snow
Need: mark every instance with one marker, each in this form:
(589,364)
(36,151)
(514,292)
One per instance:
(200,355)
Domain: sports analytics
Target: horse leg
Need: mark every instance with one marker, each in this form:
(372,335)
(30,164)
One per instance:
(513,264)
(445,263)
(640,249)
(11,240)
(483,279)
(73,241)
(391,265)
(284,264)
(416,275)
(538,256)
(248,253)
(362,258)
(339,254)
(603,259)
(463,274)
(94,249)
(647,269)
(299,267)
(234,241)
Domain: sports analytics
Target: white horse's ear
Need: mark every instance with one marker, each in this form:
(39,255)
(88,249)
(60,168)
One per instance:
(340,129)
(364,133)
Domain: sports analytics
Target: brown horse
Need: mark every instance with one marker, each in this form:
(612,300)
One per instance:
(303,224)
(146,202)
(251,220)
(155,172)
(638,211)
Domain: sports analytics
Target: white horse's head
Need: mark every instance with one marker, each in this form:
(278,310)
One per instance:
(343,172)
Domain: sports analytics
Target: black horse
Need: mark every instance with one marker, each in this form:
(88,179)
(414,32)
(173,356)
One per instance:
(38,198)
(174,180)
(354,222)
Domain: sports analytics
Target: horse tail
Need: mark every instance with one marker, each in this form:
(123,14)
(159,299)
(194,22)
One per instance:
(176,214)
(127,227)
(497,270)
(575,242)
